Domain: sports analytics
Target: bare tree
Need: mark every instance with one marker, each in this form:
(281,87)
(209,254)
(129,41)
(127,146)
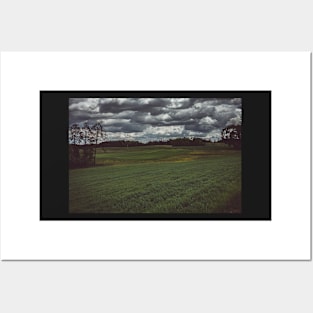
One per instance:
(83,143)
(75,134)
(86,130)
(97,133)
(231,135)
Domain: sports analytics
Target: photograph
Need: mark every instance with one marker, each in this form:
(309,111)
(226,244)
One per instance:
(155,155)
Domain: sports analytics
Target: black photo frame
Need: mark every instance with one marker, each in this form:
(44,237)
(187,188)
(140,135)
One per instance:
(256,154)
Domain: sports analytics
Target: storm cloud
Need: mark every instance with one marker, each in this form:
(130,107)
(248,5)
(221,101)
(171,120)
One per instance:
(146,119)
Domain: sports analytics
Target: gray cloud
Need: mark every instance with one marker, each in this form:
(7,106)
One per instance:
(155,118)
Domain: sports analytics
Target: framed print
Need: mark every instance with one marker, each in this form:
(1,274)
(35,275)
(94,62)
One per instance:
(155,156)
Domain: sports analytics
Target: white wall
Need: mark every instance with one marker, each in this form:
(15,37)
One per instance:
(156,286)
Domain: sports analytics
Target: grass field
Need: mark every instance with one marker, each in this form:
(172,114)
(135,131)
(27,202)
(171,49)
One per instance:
(159,179)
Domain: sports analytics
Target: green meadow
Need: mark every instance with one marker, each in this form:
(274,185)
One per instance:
(159,179)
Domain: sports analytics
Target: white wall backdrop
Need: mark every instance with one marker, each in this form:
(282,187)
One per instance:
(285,237)
(155,286)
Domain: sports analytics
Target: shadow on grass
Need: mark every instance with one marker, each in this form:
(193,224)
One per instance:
(233,205)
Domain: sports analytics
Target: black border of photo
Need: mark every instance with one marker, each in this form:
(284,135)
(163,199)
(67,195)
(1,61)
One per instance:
(256,154)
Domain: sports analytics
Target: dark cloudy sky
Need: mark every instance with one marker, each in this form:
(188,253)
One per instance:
(146,119)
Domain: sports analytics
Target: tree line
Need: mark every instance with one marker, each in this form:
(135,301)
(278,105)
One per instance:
(84,140)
